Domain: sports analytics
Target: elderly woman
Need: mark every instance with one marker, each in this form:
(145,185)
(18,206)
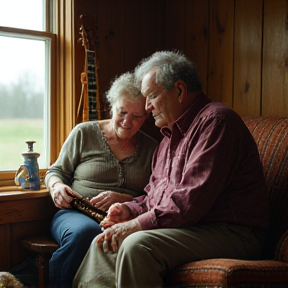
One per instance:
(106,161)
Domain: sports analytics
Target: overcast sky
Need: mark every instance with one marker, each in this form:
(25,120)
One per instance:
(17,55)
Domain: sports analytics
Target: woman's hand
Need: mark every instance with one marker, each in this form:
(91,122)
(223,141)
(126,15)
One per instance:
(117,213)
(111,239)
(105,199)
(60,198)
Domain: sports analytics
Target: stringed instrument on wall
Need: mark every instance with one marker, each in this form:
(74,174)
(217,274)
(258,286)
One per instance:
(90,101)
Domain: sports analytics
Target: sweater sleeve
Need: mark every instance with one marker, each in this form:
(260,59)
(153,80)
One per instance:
(68,159)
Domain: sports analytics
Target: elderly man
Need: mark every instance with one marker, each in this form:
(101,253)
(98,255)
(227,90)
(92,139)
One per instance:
(206,197)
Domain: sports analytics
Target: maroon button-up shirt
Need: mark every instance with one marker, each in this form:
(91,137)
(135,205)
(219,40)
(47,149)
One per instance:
(207,169)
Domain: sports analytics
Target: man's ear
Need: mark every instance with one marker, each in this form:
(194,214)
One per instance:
(181,88)
(179,92)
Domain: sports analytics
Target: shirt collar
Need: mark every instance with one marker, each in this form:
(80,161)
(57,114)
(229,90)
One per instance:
(184,121)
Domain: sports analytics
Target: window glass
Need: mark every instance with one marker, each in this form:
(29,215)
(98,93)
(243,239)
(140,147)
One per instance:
(22,98)
(25,63)
(25,14)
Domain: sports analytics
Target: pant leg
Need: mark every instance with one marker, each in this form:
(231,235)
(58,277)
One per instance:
(74,232)
(97,269)
(145,256)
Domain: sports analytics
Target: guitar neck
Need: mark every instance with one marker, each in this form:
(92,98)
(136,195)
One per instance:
(92,85)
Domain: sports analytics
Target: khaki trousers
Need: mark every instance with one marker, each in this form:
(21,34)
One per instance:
(146,256)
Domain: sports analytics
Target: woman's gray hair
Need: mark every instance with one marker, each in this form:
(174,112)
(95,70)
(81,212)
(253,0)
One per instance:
(171,66)
(125,83)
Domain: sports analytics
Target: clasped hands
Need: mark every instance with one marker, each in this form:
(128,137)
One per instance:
(117,226)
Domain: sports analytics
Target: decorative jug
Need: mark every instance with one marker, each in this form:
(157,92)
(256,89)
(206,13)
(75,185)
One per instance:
(27,175)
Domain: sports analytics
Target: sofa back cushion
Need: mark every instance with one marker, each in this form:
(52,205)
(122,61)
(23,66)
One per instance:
(271,136)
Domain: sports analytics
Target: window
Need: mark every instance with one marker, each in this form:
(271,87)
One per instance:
(25,83)
(37,85)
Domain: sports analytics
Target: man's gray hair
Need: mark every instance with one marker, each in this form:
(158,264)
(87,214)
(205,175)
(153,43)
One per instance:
(125,83)
(171,66)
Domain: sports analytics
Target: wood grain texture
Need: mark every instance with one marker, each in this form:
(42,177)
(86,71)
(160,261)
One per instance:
(151,21)
(26,210)
(5,247)
(111,20)
(220,73)
(22,230)
(247,57)
(175,25)
(19,219)
(275,59)
(197,21)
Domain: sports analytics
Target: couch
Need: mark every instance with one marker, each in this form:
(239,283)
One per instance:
(271,136)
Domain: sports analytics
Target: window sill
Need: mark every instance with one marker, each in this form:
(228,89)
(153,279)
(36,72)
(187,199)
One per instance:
(8,193)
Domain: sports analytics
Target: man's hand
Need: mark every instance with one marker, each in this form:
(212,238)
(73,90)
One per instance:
(111,239)
(106,198)
(117,213)
(60,198)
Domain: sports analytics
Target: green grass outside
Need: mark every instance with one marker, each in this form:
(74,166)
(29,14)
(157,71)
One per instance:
(13,136)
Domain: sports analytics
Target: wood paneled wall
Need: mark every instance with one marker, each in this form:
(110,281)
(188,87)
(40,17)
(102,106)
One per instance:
(239,46)
(22,215)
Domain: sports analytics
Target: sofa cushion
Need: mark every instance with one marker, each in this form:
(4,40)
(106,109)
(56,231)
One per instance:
(271,137)
(230,273)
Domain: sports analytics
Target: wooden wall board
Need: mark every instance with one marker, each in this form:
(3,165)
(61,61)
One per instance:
(22,230)
(5,247)
(111,20)
(131,35)
(26,210)
(247,57)
(19,219)
(152,26)
(221,29)
(197,22)
(175,29)
(275,59)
